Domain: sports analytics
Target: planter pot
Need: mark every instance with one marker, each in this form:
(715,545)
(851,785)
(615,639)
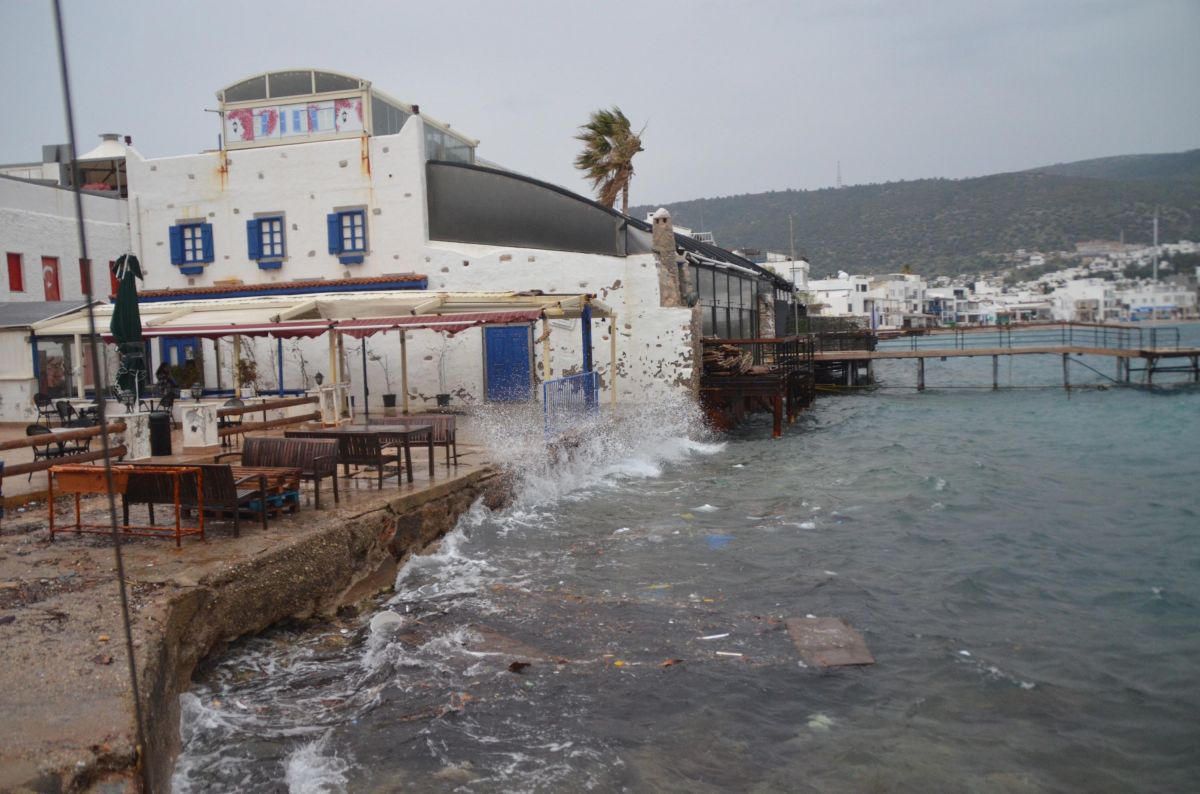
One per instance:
(389,401)
(443,400)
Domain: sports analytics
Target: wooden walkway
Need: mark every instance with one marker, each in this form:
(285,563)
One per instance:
(1153,361)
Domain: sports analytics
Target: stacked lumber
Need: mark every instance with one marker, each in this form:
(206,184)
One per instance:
(726,360)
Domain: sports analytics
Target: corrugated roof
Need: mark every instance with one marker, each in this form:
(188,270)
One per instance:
(364,284)
(21,314)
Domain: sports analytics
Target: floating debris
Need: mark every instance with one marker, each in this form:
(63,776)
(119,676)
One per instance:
(715,636)
(828,642)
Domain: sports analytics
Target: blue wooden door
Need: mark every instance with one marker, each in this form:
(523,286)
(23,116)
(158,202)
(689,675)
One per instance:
(508,362)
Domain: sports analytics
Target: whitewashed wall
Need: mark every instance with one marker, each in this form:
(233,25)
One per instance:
(39,220)
(307,181)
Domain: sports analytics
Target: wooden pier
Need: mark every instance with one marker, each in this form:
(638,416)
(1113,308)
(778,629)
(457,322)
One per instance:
(1149,351)
(743,376)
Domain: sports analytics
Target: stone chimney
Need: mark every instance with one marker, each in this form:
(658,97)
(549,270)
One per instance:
(663,244)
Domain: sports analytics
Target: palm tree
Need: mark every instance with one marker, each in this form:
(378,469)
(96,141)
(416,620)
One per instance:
(607,156)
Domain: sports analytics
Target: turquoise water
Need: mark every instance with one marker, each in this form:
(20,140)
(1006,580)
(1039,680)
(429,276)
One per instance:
(1024,565)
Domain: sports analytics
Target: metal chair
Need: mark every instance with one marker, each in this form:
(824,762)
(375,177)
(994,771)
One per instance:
(52,448)
(66,412)
(230,421)
(45,407)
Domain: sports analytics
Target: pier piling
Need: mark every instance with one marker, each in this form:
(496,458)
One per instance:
(921,374)
(1066,375)
(995,373)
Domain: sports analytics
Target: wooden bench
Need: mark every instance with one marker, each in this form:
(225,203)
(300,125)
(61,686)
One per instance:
(316,458)
(444,430)
(358,448)
(221,492)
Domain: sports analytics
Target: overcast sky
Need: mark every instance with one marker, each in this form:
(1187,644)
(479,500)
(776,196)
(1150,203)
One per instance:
(736,97)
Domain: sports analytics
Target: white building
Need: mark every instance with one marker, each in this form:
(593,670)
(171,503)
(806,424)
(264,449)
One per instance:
(1085,300)
(325,180)
(1161,300)
(844,296)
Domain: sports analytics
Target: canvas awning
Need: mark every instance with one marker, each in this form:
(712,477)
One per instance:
(450,323)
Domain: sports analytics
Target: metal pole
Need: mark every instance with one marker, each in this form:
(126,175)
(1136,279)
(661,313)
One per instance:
(995,373)
(366,391)
(78,365)
(545,349)
(403,372)
(279,361)
(921,374)
(237,357)
(612,357)
(1066,357)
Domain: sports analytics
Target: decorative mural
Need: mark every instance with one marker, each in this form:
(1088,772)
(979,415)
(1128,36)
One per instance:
(274,122)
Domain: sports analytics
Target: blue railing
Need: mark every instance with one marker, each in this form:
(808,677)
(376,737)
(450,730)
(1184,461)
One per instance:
(570,401)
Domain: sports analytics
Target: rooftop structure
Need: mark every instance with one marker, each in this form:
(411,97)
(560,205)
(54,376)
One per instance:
(298,105)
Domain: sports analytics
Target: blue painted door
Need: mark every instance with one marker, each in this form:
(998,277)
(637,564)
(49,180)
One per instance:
(508,362)
(179,350)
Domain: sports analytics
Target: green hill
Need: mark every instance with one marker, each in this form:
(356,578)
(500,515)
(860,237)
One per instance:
(953,226)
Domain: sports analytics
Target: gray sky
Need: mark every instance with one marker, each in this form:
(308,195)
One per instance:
(738,97)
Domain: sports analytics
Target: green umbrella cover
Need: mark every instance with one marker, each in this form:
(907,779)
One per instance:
(126,327)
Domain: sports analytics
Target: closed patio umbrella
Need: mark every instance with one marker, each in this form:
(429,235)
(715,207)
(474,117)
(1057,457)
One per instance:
(126,327)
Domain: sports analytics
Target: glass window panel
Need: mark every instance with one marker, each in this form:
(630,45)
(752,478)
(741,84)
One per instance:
(254,88)
(747,293)
(290,83)
(335,82)
(722,323)
(708,326)
(721,291)
(705,277)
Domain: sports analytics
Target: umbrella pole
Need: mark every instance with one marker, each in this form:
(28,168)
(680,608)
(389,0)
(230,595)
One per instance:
(366,391)
(78,366)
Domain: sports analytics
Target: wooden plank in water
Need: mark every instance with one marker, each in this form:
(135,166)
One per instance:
(828,642)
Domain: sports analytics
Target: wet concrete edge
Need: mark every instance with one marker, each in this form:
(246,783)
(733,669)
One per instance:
(345,564)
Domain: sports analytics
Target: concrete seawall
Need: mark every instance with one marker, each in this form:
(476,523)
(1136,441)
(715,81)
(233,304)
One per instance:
(73,729)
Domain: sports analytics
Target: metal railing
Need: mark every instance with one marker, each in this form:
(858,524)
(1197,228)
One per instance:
(780,355)
(1078,335)
(570,401)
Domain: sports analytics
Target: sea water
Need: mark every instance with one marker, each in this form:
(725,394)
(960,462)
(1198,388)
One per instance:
(1024,565)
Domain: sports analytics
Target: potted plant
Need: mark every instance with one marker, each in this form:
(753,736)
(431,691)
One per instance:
(247,376)
(187,379)
(389,397)
(443,396)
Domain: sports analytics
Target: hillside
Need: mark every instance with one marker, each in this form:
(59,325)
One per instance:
(950,226)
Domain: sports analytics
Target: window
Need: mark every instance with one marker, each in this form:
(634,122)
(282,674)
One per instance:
(16,273)
(191,246)
(85,276)
(50,284)
(265,241)
(348,235)
(112,278)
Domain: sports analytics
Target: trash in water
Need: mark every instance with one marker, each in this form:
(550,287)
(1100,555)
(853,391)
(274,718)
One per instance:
(706,508)
(719,541)
(517,667)
(659,587)
(716,636)
(386,621)
(739,465)
(622,529)
(964,653)
(686,516)
(727,653)
(671,662)
(819,722)
(618,663)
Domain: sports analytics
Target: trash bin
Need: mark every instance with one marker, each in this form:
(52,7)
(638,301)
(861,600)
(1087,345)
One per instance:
(160,433)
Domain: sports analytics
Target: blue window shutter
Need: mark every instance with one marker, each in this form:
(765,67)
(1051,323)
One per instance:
(206,241)
(254,239)
(334,222)
(176,239)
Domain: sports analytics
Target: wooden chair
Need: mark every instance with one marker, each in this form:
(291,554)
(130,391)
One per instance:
(315,457)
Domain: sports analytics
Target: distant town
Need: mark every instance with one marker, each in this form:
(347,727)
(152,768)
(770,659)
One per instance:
(1098,281)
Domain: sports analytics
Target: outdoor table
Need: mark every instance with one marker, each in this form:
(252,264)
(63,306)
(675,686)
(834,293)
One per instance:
(280,481)
(388,437)
(78,478)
